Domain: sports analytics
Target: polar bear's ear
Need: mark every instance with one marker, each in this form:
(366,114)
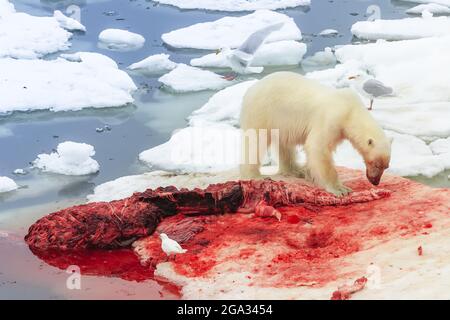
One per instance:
(370,142)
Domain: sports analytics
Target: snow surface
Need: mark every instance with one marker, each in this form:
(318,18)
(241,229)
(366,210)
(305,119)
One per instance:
(24,36)
(185,78)
(62,85)
(118,39)
(155,64)
(278,53)
(7,184)
(231,32)
(441,2)
(67,22)
(235,5)
(402,29)
(70,158)
(431,7)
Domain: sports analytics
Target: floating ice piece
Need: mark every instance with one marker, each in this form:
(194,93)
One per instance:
(278,53)
(231,32)
(67,22)
(62,85)
(117,39)
(235,5)
(185,78)
(155,64)
(7,184)
(328,33)
(24,36)
(431,7)
(19,172)
(70,158)
(402,29)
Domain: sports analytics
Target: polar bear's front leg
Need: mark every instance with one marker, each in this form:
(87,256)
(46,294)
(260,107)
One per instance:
(321,169)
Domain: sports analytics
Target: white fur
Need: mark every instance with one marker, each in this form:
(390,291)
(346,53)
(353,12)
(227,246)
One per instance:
(317,117)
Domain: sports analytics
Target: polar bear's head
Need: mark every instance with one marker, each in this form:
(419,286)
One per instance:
(377,155)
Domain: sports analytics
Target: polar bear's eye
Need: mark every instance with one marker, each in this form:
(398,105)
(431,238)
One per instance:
(370,142)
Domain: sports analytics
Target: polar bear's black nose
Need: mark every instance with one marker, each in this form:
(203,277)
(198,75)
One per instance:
(374,176)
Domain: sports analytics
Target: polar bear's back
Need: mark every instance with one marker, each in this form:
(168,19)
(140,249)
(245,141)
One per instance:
(281,98)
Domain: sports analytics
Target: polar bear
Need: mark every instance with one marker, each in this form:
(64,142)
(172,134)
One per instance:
(318,117)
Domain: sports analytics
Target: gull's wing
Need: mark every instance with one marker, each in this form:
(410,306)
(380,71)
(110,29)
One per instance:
(376,88)
(257,38)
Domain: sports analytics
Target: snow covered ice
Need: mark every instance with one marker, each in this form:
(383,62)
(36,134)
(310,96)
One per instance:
(235,5)
(280,53)
(431,7)
(402,29)
(7,185)
(231,32)
(70,158)
(441,2)
(155,64)
(185,78)
(94,82)
(117,39)
(24,36)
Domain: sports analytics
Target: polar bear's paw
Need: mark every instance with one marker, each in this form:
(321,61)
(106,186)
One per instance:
(339,190)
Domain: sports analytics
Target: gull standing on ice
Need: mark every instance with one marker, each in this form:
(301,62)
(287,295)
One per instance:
(241,58)
(371,88)
(170,246)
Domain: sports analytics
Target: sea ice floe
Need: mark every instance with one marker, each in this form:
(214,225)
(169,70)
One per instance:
(430,7)
(70,158)
(24,36)
(328,32)
(7,184)
(62,85)
(231,32)
(235,5)
(185,78)
(67,22)
(441,2)
(278,53)
(402,29)
(118,39)
(155,64)
(19,171)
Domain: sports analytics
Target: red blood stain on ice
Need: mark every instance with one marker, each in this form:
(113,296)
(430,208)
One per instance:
(309,244)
